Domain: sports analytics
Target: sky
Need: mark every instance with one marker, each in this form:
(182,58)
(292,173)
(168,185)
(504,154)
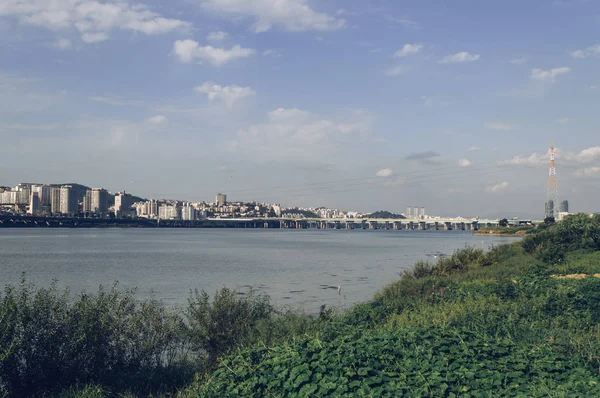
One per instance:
(341,103)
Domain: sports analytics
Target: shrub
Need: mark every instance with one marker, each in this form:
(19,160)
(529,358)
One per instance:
(226,322)
(49,342)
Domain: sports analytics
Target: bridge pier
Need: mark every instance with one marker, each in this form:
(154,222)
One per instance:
(373,225)
(397,225)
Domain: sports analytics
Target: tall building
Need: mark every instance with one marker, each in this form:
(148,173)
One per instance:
(564,206)
(408,211)
(68,200)
(153,209)
(34,204)
(43,192)
(550,208)
(221,199)
(55,200)
(169,212)
(416,212)
(123,203)
(98,200)
(422,212)
(189,213)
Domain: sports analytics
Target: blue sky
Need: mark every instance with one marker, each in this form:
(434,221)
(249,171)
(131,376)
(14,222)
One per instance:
(354,104)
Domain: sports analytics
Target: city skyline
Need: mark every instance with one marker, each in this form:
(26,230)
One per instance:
(343,104)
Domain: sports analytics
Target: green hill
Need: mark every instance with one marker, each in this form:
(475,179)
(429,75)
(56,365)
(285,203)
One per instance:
(386,214)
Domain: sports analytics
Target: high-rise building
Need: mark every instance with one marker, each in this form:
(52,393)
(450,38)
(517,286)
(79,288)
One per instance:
(153,209)
(221,199)
(408,211)
(169,212)
(98,200)
(422,212)
(550,208)
(43,192)
(189,213)
(55,200)
(416,212)
(23,196)
(564,206)
(68,200)
(34,204)
(123,203)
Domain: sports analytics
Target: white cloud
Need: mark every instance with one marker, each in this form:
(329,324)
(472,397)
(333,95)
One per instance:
(474,149)
(464,163)
(216,36)
(190,50)
(518,61)
(585,156)
(156,120)
(549,75)
(497,126)
(63,44)
(271,53)
(384,173)
(227,94)
(404,21)
(459,57)
(587,172)
(586,52)
(563,120)
(535,159)
(290,15)
(408,49)
(94,20)
(297,135)
(498,187)
(397,70)
(116,101)
(96,37)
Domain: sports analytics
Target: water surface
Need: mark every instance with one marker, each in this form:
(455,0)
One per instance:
(299,268)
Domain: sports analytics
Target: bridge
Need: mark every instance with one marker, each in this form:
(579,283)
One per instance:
(277,223)
(365,223)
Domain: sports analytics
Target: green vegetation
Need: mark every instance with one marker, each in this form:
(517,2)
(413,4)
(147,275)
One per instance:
(386,214)
(519,320)
(504,231)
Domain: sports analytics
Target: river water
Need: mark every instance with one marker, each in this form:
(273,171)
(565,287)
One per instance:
(296,268)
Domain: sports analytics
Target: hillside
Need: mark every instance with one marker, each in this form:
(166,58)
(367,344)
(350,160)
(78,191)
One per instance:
(386,214)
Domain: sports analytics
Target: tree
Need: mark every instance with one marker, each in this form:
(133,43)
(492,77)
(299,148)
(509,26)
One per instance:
(503,222)
(549,220)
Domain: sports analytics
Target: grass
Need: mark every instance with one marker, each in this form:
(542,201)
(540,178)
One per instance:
(480,324)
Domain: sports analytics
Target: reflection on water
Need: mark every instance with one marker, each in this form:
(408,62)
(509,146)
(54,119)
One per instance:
(297,268)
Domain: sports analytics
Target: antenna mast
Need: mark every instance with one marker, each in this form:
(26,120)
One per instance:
(552,192)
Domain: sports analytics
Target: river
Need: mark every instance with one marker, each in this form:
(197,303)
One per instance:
(296,268)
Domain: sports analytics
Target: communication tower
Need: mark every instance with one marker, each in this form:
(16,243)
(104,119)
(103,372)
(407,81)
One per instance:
(552,204)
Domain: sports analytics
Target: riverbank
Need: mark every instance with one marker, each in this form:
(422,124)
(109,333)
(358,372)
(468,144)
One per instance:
(506,323)
(504,231)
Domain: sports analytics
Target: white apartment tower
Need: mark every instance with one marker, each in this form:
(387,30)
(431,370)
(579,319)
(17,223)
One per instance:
(68,200)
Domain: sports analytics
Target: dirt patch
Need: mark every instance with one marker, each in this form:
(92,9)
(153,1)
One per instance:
(575,276)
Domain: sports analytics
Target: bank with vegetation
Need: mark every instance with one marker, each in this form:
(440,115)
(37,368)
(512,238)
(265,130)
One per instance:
(519,320)
(504,231)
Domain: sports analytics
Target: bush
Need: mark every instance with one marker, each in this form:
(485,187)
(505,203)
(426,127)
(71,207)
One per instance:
(49,342)
(551,242)
(228,322)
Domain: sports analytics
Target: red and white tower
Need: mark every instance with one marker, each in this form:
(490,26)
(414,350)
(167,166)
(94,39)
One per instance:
(552,192)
